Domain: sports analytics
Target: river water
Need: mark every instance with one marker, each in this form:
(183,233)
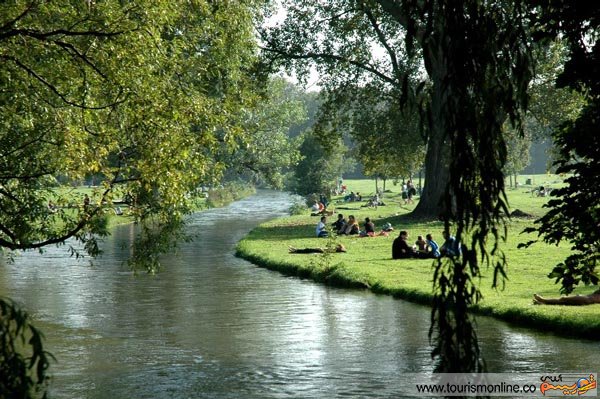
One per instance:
(211,325)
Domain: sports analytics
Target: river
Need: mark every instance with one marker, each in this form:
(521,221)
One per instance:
(211,325)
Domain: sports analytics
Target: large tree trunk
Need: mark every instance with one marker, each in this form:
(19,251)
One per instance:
(431,202)
(437,158)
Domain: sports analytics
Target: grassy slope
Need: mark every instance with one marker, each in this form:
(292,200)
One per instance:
(368,261)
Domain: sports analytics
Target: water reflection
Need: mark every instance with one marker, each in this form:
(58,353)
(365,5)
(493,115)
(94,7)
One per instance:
(214,326)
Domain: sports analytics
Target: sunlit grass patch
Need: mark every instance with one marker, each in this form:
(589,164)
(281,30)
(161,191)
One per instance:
(368,262)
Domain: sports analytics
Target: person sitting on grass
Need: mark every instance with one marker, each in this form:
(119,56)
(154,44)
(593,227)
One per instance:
(400,247)
(590,299)
(421,245)
(322,227)
(351,227)
(315,207)
(451,247)
(434,248)
(387,227)
(338,248)
(323,200)
(339,223)
(369,230)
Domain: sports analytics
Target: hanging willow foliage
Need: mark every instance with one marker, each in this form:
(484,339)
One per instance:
(482,51)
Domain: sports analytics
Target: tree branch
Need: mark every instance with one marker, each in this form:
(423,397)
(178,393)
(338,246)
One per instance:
(394,9)
(383,41)
(16,19)
(331,57)
(14,245)
(82,57)
(59,32)
(26,177)
(55,90)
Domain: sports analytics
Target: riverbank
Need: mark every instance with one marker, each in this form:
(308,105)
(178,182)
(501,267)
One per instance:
(368,264)
(217,197)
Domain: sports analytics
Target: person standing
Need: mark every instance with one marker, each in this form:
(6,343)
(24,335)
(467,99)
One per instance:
(410,192)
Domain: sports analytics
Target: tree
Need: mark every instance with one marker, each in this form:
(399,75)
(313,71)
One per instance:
(478,62)
(22,375)
(387,137)
(319,169)
(358,50)
(549,106)
(574,210)
(517,152)
(142,94)
(264,150)
(139,94)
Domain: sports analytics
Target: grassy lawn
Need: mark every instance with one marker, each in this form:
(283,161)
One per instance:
(368,261)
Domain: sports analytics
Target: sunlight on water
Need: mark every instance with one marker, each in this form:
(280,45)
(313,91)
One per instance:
(214,326)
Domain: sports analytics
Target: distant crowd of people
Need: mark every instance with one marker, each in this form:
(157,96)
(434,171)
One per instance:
(424,247)
(350,227)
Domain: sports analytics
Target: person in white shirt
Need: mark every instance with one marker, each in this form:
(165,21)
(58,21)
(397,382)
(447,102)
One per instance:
(322,227)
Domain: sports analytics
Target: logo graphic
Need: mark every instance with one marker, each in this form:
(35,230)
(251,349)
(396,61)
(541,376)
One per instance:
(580,387)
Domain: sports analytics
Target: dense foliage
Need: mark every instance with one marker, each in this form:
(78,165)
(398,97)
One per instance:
(22,375)
(319,169)
(141,95)
(574,211)
(358,50)
(386,136)
(265,153)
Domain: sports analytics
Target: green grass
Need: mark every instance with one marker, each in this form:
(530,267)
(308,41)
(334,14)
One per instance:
(368,262)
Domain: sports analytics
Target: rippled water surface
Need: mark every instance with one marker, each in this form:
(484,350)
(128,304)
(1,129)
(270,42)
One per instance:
(214,326)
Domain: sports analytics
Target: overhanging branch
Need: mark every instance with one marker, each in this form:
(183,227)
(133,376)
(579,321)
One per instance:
(332,57)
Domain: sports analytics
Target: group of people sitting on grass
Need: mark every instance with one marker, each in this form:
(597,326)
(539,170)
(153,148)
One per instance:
(352,197)
(350,227)
(424,248)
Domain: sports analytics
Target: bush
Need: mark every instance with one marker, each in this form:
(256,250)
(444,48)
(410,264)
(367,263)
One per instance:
(297,208)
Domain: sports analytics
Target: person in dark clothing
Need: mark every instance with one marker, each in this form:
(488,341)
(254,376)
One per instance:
(338,248)
(339,223)
(451,247)
(400,247)
(369,228)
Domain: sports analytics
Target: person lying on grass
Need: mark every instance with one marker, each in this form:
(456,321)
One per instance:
(589,299)
(338,248)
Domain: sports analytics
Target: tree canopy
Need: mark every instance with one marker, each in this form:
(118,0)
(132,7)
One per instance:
(265,153)
(574,211)
(387,136)
(142,94)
